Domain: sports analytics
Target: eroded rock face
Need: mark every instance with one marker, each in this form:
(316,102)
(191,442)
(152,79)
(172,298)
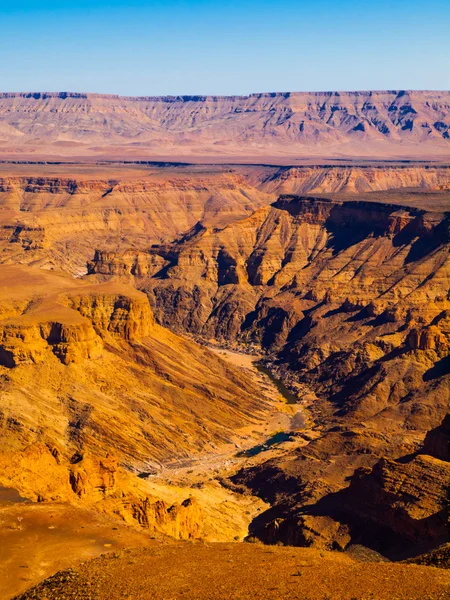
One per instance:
(372,123)
(94,392)
(347,298)
(409,499)
(128,317)
(397,509)
(437,441)
(300,258)
(26,338)
(352,300)
(354,179)
(90,480)
(128,263)
(181,521)
(58,221)
(28,344)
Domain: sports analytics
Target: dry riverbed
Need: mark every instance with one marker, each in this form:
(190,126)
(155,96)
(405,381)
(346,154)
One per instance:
(286,426)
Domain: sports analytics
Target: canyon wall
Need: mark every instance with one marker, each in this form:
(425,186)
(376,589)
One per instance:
(357,179)
(93,393)
(350,300)
(58,221)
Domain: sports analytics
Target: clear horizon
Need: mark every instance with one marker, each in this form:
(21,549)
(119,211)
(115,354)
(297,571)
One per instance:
(200,48)
(93,92)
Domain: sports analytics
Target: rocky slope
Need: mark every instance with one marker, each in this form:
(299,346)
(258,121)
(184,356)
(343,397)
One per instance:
(56,221)
(93,393)
(54,216)
(387,123)
(351,300)
(397,507)
(356,179)
(348,299)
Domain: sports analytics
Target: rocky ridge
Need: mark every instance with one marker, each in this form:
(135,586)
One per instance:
(387,123)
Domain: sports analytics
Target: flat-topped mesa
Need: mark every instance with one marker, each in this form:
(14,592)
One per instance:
(380,218)
(71,324)
(204,98)
(383,124)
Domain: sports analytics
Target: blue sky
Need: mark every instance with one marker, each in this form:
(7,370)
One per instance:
(231,47)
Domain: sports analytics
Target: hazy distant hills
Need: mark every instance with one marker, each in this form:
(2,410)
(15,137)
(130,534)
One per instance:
(383,124)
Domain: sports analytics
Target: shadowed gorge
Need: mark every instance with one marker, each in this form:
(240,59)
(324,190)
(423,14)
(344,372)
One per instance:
(349,299)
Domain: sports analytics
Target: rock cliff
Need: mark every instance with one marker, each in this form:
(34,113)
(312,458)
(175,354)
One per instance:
(356,179)
(56,221)
(95,393)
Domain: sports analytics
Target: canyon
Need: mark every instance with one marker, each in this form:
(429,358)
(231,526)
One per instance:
(53,216)
(350,300)
(197,353)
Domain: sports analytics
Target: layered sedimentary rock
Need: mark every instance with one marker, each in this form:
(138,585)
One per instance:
(94,392)
(347,297)
(350,298)
(57,221)
(355,179)
(297,255)
(387,123)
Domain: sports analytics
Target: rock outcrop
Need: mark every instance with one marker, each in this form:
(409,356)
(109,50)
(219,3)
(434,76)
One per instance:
(398,509)
(93,392)
(356,179)
(55,222)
